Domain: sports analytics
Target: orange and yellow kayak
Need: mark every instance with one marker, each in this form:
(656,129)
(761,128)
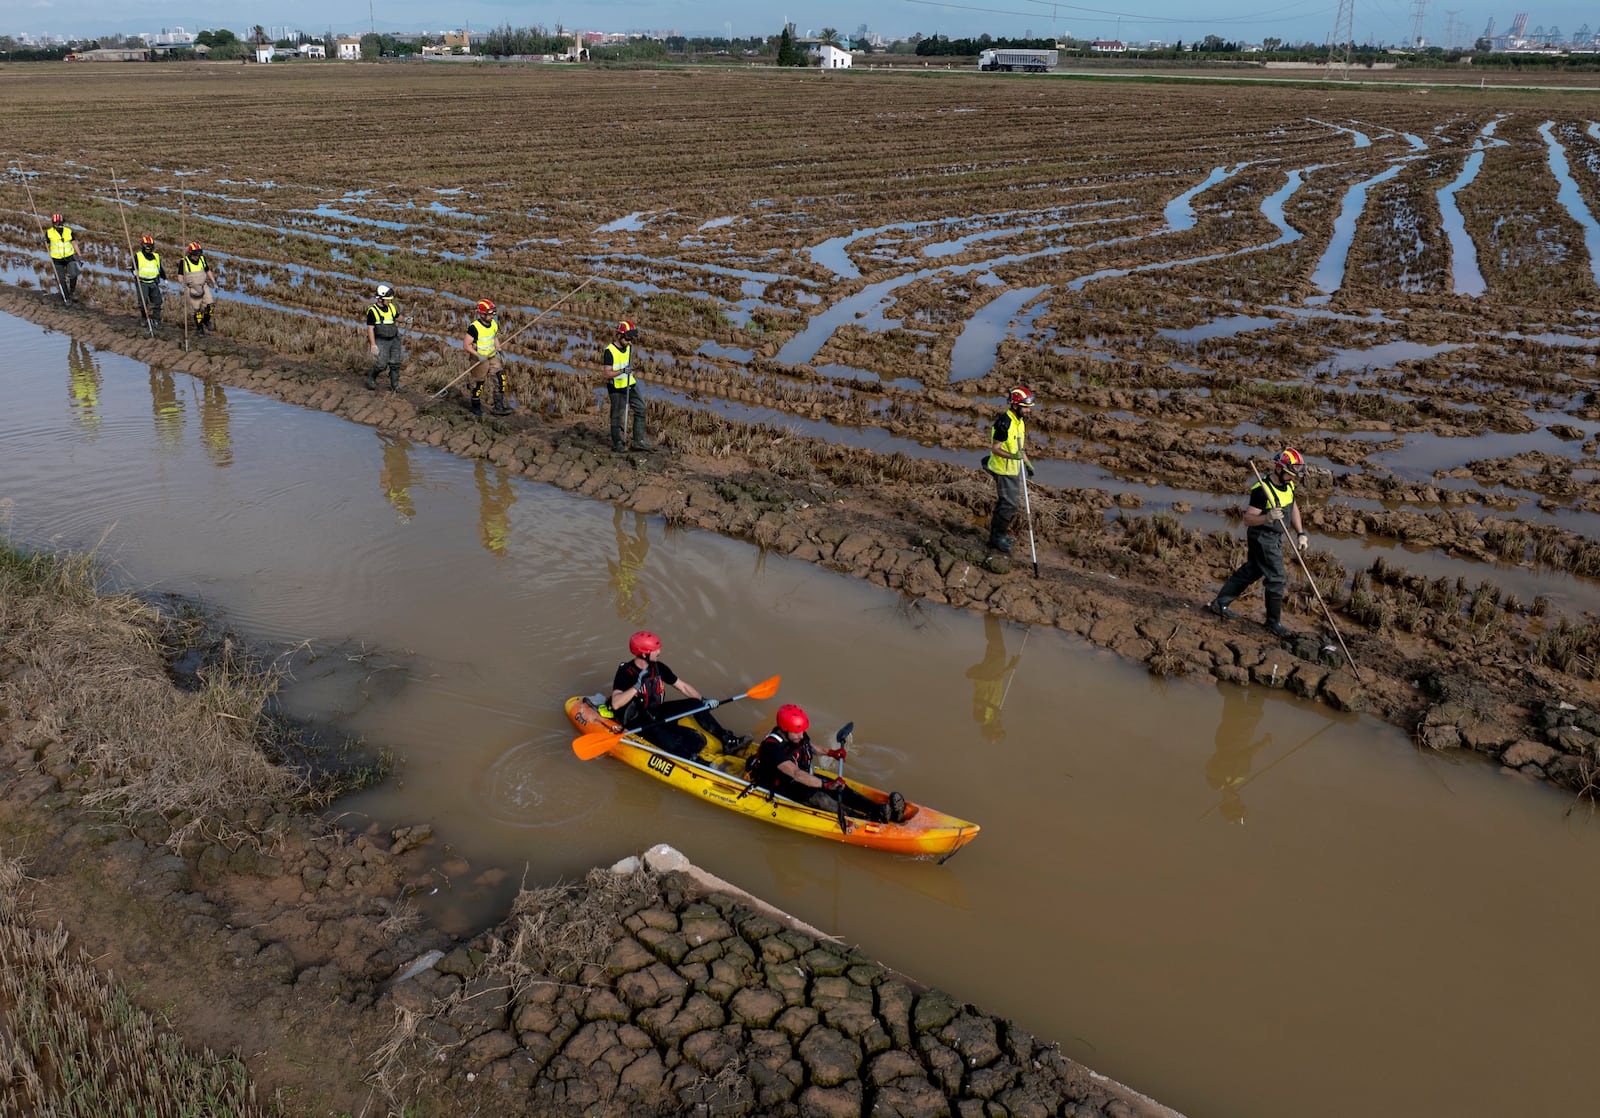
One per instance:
(718,776)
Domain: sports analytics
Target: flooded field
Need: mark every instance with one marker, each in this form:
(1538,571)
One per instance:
(1399,282)
(1167,869)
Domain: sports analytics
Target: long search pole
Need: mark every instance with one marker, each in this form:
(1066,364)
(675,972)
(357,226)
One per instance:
(515,333)
(138,286)
(1289,539)
(37,220)
(183,238)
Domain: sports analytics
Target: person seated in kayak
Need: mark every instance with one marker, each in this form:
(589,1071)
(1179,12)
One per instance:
(637,694)
(783,765)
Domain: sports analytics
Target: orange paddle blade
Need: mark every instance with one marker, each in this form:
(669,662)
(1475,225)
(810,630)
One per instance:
(765,689)
(597,744)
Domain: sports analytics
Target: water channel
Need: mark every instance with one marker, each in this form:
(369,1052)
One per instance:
(1229,899)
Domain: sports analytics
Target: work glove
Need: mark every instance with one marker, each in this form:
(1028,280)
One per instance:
(1303,542)
(1029,467)
(374,347)
(1274,514)
(838,754)
(832,785)
(713,704)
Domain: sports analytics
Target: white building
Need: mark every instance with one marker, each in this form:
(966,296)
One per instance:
(265,52)
(312,50)
(349,50)
(833,58)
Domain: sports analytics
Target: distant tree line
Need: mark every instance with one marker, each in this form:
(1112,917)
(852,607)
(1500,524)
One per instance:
(939,45)
(507,40)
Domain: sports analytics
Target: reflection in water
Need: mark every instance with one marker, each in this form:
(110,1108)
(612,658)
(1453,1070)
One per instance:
(214,433)
(989,683)
(395,477)
(83,387)
(628,593)
(167,409)
(1229,767)
(494,508)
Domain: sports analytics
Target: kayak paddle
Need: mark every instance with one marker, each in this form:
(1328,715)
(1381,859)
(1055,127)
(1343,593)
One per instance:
(593,745)
(842,739)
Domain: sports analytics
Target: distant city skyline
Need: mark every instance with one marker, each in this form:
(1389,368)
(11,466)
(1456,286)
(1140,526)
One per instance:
(1164,20)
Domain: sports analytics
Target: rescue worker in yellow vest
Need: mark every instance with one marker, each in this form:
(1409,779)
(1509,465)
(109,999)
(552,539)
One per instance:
(623,388)
(383,338)
(63,256)
(151,279)
(482,333)
(195,272)
(1270,500)
(1006,461)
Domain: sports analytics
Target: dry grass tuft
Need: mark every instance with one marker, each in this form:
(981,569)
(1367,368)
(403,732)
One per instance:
(562,932)
(93,670)
(73,1045)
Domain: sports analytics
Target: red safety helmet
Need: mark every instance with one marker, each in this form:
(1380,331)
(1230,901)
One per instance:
(485,306)
(194,248)
(55,219)
(1290,461)
(627,330)
(147,239)
(1020,397)
(792,720)
(643,643)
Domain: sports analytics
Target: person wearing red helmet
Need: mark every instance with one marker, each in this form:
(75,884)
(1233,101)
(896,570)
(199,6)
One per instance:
(1270,499)
(783,765)
(622,387)
(63,255)
(481,341)
(1006,461)
(194,271)
(151,278)
(638,692)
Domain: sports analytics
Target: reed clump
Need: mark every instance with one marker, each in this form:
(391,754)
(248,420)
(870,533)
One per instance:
(91,664)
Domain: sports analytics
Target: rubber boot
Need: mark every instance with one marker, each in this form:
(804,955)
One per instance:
(1219,606)
(372,381)
(1274,612)
(394,379)
(207,313)
(200,323)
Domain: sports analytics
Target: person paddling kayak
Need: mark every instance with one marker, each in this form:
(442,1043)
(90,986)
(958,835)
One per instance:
(783,765)
(637,694)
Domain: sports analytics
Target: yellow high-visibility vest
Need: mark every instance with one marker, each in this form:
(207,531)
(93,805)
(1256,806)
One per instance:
(1010,467)
(149,266)
(621,360)
(484,336)
(191,265)
(60,242)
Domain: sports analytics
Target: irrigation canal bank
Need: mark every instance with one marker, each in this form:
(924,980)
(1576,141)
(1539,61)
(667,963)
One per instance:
(1168,871)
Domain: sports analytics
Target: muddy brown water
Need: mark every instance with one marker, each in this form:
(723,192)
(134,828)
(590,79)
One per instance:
(1231,900)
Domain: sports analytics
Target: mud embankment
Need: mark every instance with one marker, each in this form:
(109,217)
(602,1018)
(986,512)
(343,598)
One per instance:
(260,928)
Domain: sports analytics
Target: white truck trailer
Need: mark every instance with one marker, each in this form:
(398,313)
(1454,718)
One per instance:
(1011,59)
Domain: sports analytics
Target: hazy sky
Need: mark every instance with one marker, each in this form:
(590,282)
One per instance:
(1388,21)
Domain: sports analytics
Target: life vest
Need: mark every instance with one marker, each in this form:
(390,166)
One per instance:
(764,768)
(1010,467)
(1276,498)
(384,316)
(483,336)
(190,264)
(652,690)
(60,242)
(621,360)
(149,266)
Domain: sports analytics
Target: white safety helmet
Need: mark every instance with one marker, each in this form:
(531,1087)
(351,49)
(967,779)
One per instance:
(385,291)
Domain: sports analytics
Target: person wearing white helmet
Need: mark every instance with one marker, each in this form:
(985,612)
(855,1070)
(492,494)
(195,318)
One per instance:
(1271,503)
(383,338)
